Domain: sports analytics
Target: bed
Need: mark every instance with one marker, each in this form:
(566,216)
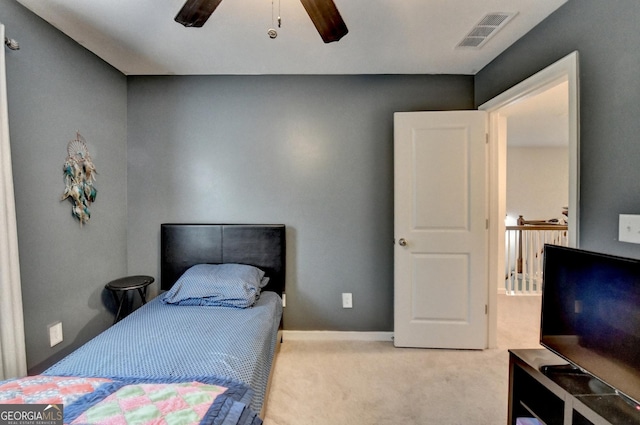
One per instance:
(187,341)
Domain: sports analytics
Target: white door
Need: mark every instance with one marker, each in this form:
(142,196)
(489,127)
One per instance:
(440,226)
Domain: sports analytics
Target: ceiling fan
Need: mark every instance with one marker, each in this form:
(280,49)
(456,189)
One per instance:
(323,13)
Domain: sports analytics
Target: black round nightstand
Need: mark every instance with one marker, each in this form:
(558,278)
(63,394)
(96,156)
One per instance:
(128,283)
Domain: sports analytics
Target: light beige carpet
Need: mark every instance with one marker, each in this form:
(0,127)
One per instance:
(356,382)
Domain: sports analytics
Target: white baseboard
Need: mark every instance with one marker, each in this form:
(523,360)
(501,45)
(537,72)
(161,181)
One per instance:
(336,336)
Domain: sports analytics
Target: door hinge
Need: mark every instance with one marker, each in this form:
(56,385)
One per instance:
(486,309)
(486,224)
(486,138)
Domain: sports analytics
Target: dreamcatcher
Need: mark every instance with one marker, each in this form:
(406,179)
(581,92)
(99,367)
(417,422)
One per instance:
(79,175)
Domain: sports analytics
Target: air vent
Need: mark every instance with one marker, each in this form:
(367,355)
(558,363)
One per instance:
(485,29)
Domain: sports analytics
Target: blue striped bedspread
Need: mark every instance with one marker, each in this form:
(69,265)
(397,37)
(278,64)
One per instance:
(169,341)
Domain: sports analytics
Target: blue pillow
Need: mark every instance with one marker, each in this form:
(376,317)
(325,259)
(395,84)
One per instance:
(223,285)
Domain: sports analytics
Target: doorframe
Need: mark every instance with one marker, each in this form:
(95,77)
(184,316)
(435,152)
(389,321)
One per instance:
(565,69)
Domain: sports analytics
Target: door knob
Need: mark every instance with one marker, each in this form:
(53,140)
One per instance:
(402,242)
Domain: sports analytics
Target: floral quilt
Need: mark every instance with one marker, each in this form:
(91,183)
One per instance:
(129,401)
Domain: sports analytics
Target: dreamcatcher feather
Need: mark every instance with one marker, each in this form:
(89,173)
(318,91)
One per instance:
(79,176)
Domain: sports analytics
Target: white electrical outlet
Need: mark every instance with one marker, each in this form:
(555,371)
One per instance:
(629,228)
(55,334)
(347,300)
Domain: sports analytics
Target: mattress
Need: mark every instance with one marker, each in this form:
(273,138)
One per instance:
(169,341)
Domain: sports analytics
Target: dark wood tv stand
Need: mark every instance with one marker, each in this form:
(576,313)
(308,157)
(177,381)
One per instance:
(543,386)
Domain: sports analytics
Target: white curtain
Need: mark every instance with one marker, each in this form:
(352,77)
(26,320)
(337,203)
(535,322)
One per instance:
(13,360)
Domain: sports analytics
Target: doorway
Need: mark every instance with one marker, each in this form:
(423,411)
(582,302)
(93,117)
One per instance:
(537,185)
(563,71)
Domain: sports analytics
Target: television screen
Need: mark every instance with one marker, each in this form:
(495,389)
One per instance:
(591,314)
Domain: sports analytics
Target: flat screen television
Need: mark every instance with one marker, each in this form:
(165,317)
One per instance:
(591,314)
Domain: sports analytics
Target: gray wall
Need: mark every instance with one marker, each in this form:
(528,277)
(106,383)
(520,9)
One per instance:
(606,36)
(312,152)
(56,87)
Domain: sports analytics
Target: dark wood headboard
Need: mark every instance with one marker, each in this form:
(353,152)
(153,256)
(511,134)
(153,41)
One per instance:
(259,245)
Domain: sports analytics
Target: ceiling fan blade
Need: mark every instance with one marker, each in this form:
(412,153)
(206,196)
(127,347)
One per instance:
(195,13)
(326,18)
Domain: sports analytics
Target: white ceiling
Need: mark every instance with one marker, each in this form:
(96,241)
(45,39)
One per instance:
(140,37)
